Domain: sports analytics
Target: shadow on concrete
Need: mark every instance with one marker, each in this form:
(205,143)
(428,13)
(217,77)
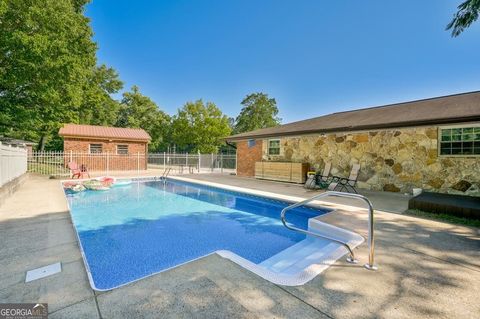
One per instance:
(423,271)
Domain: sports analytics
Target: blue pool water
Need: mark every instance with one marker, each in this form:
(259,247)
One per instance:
(133,231)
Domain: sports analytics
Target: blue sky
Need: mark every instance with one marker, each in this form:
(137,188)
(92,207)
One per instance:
(315,57)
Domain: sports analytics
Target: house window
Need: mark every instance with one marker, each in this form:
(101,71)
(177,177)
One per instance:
(459,141)
(251,143)
(273,147)
(95,148)
(122,149)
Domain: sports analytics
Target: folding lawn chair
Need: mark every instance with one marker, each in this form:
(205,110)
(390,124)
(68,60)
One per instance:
(348,184)
(324,179)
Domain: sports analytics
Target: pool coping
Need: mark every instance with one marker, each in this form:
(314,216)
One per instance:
(297,279)
(270,195)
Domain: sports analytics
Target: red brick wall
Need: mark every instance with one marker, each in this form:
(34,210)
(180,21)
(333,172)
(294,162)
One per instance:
(247,156)
(79,150)
(82,145)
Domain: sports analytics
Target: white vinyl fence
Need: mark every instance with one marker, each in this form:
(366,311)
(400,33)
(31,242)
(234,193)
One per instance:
(13,163)
(57,163)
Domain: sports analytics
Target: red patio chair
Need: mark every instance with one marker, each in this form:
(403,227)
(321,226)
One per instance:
(76,171)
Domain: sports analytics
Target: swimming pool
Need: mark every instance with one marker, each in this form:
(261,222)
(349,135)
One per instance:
(133,231)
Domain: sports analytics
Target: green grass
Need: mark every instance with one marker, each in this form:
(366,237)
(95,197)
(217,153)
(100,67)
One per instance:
(48,169)
(444,218)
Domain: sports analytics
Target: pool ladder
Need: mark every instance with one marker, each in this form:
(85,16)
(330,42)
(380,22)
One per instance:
(371,237)
(163,178)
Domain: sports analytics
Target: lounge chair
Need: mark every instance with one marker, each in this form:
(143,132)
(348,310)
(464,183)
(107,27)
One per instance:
(76,171)
(348,184)
(324,179)
(319,180)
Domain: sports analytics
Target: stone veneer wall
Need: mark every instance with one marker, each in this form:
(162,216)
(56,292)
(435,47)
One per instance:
(394,160)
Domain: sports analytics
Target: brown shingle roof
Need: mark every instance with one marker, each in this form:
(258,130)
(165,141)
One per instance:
(119,133)
(457,108)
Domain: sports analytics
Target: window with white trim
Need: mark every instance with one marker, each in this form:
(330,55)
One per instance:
(273,147)
(95,148)
(122,149)
(459,141)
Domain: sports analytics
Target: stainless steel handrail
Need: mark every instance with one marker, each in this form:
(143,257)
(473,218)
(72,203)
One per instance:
(165,174)
(371,236)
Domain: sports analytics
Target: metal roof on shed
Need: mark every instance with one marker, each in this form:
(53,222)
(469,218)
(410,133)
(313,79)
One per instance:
(94,131)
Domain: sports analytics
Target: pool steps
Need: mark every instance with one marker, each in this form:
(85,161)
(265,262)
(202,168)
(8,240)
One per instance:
(306,259)
(312,251)
(300,256)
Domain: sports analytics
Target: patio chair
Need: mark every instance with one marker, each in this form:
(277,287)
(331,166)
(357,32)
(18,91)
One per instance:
(324,179)
(76,171)
(317,180)
(348,184)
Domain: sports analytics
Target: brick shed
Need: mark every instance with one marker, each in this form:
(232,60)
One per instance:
(105,148)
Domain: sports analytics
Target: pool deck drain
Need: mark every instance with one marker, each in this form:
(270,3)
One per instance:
(43,272)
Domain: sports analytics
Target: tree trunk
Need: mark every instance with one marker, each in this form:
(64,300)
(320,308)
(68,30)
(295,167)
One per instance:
(41,143)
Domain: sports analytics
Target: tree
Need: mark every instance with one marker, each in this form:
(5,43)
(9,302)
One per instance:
(98,107)
(200,127)
(46,58)
(259,111)
(139,111)
(467,13)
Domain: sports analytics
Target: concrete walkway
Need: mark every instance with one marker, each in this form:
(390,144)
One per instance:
(385,201)
(427,269)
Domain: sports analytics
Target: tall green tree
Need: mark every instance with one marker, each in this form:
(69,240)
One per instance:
(98,106)
(46,58)
(139,111)
(259,111)
(200,127)
(467,13)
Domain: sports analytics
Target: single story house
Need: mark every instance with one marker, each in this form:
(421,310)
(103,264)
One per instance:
(433,144)
(92,145)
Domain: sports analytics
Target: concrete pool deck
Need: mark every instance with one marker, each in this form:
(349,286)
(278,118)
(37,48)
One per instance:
(427,269)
